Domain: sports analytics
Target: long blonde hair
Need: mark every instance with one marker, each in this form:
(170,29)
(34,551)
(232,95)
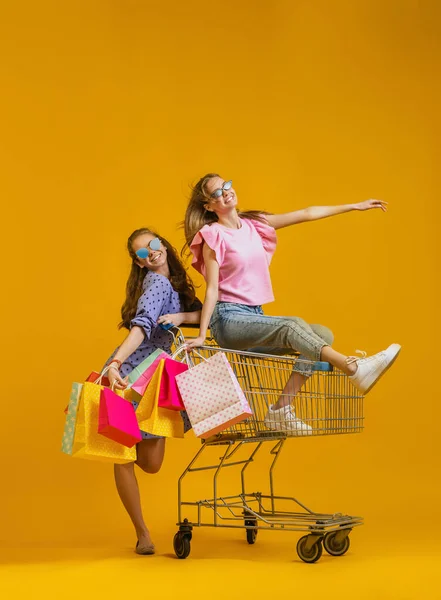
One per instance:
(196,215)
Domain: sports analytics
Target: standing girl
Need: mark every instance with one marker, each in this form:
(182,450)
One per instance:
(233,251)
(158,291)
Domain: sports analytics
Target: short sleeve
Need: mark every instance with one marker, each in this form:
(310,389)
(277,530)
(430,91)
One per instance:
(267,235)
(156,295)
(212,236)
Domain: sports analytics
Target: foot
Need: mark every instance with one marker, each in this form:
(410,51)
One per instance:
(285,420)
(144,545)
(371,368)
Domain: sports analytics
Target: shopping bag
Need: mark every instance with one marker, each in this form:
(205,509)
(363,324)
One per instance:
(87,442)
(67,443)
(117,419)
(93,377)
(103,379)
(153,418)
(169,394)
(212,396)
(138,377)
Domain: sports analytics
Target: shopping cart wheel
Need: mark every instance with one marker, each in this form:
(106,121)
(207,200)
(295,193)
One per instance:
(312,554)
(181,544)
(251,528)
(251,525)
(251,535)
(335,545)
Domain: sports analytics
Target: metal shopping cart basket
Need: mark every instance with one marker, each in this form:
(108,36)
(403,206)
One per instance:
(328,403)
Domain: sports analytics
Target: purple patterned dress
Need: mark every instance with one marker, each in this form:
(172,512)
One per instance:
(158,298)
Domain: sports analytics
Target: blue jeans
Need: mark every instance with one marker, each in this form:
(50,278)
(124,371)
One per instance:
(243,327)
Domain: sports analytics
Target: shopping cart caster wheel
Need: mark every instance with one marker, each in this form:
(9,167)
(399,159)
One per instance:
(251,533)
(335,546)
(312,554)
(181,544)
(186,528)
(251,536)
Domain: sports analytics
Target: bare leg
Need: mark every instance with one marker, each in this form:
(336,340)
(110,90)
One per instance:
(150,456)
(128,491)
(291,389)
(297,379)
(338,360)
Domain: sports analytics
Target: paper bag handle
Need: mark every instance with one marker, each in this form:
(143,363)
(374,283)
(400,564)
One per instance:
(182,348)
(100,378)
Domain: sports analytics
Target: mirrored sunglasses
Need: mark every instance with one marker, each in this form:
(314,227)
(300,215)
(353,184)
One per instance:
(154,244)
(218,193)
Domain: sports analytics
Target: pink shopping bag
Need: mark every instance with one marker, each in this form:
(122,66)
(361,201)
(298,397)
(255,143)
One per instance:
(212,396)
(169,394)
(117,420)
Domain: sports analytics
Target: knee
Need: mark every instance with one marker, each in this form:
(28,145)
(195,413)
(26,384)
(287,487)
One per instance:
(149,466)
(326,334)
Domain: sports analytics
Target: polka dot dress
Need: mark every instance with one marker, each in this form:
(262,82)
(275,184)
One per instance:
(158,298)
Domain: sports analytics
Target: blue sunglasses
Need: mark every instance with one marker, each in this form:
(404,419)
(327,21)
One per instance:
(154,244)
(218,193)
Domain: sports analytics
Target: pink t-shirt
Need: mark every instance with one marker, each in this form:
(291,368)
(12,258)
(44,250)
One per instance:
(243,255)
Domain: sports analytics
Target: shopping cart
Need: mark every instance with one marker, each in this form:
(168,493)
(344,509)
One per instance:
(328,403)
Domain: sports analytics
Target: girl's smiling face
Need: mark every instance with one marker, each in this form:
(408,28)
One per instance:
(156,260)
(225,201)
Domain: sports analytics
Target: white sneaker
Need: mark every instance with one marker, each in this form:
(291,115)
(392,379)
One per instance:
(371,368)
(285,420)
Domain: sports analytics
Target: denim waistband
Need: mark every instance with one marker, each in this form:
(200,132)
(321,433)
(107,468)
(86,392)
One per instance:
(223,309)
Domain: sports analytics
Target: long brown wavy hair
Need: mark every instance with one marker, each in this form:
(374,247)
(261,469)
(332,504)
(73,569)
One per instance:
(179,279)
(196,216)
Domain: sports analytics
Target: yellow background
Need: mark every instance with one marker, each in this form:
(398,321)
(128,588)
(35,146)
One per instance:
(109,110)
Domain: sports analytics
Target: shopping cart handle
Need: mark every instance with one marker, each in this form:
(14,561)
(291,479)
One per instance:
(168,326)
(322,366)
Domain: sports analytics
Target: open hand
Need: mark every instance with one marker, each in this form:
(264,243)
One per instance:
(368,204)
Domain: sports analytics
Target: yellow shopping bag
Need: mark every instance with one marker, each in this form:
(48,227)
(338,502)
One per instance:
(154,419)
(90,444)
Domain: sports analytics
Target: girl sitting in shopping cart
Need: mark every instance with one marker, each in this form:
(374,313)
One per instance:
(158,290)
(233,250)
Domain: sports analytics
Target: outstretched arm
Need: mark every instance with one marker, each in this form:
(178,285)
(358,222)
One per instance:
(314,213)
(211,295)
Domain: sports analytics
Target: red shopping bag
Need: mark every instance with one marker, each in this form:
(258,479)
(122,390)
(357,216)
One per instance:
(117,420)
(94,376)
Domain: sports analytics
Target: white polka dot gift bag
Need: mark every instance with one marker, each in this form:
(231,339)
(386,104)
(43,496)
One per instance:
(212,396)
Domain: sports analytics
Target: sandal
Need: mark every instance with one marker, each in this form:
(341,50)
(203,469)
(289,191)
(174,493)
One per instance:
(145,550)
